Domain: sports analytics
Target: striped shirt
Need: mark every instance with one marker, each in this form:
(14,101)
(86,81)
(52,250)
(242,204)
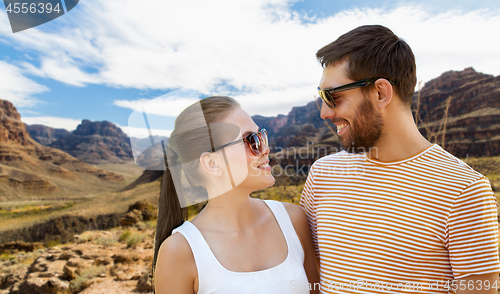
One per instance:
(411,225)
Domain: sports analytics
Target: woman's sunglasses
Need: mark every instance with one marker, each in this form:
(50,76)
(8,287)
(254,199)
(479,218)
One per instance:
(254,142)
(327,94)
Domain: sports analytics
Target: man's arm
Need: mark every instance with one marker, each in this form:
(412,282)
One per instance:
(478,284)
(473,239)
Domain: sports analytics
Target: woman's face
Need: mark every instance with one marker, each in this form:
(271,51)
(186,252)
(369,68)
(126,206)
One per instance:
(249,172)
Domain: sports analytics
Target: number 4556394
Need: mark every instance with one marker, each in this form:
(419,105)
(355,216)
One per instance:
(32,8)
(471,285)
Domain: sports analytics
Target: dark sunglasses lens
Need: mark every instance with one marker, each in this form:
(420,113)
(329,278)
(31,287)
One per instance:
(322,96)
(325,96)
(255,144)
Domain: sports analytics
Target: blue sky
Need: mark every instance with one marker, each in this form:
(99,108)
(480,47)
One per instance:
(324,8)
(104,59)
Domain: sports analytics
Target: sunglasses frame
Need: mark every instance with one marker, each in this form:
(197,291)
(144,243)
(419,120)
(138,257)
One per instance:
(247,140)
(326,94)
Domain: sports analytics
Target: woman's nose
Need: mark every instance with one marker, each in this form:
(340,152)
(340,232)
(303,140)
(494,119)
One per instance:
(265,149)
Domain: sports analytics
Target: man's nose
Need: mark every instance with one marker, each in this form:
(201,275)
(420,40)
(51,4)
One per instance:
(326,112)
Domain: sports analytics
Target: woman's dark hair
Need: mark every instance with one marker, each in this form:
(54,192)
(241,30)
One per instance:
(374,51)
(170,214)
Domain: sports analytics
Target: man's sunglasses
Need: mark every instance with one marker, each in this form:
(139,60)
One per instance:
(326,94)
(254,142)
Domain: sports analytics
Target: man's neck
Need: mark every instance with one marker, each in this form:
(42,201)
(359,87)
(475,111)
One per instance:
(400,139)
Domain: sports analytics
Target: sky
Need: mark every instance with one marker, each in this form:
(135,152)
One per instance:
(103,60)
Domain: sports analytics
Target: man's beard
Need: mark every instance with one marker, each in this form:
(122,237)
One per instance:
(365,130)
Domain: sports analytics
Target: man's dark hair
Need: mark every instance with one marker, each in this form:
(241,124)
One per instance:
(374,51)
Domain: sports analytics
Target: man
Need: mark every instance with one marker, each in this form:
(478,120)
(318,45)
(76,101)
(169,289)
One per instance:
(393,212)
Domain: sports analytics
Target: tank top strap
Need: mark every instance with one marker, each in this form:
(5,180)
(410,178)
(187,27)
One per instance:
(202,254)
(286,225)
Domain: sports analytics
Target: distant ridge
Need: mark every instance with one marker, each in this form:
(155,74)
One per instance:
(28,168)
(96,142)
(45,135)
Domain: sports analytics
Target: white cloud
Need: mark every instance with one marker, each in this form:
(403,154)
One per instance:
(267,103)
(31,112)
(61,71)
(17,88)
(159,106)
(4,23)
(256,51)
(151,116)
(144,133)
(52,121)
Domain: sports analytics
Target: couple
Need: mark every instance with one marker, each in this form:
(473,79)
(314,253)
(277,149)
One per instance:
(395,214)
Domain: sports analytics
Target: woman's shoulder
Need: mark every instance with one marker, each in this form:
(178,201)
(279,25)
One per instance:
(173,252)
(298,218)
(176,246)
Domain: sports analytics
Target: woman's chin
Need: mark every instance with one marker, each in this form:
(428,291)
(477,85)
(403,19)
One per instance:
(268,181)
(261,182)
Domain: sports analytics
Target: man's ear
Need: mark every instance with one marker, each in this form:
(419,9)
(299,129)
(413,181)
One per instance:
(209,163)
(385,93)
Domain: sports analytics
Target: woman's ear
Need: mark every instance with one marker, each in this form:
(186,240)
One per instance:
(385,93)
(209,164)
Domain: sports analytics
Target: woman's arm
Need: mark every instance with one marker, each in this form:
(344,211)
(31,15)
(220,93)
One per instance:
(175,271)
(299,220)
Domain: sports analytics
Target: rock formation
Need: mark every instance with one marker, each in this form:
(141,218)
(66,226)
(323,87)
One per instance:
(29,168)
(137,212)
(45,135)
(301,125)
(96,142)
(12,129)
(472,125)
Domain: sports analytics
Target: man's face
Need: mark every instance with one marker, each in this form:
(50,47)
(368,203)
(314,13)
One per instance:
(359,125)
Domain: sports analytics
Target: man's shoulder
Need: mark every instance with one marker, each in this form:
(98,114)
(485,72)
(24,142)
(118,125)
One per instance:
(442,161)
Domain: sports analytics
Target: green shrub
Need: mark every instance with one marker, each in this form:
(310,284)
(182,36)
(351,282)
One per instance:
(150,225)
(146,225)
(87,236)
(6,256)
(124,236)
(81,282)
(105,241)
(134,239)
(53,243)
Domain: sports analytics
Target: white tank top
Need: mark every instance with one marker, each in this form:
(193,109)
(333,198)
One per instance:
(287,277)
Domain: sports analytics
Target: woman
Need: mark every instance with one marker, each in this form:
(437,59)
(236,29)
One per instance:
(236,244)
